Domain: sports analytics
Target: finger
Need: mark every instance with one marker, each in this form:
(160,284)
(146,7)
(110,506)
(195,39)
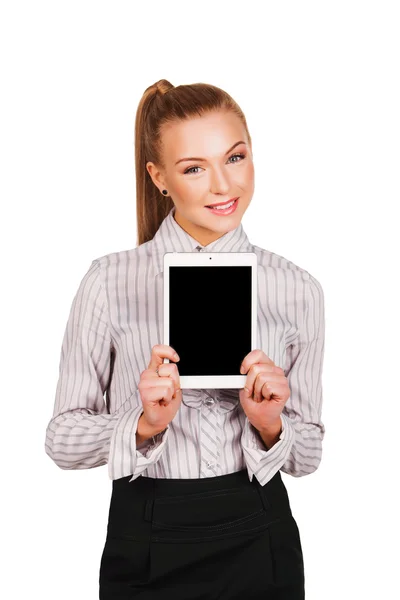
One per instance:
(159,382)
(160,394)
(255,370)
(263,389)
(170,370)
(164,370)
(273,385)
(159,352)
(255,356)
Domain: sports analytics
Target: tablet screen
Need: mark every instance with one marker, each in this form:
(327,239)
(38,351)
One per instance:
(210,318)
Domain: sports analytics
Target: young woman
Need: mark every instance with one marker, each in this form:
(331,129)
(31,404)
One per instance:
(198,506)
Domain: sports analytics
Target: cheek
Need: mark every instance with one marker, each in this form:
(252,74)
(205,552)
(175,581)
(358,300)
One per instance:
(247,175)
(187,189)
(190,195)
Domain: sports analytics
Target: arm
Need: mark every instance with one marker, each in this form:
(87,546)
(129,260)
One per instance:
(297,449)
(80,432)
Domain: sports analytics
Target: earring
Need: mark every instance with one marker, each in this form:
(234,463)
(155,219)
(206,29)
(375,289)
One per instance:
(165,192)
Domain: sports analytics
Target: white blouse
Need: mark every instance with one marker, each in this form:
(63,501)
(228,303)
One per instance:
(116,318)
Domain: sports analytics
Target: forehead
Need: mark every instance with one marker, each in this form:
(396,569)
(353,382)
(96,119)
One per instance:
(208,135)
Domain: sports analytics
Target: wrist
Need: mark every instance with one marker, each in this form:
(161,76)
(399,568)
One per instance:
(144,430)
(270,434)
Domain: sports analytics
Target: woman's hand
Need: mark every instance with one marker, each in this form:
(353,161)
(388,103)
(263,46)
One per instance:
(161,394)
(268,391)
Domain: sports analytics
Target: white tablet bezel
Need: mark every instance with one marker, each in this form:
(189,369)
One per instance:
(217,259)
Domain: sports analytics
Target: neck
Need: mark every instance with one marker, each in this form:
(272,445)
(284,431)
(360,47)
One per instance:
(200,234)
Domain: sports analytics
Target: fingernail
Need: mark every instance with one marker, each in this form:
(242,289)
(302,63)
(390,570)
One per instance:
(247,390)
(176,356)
(242,369)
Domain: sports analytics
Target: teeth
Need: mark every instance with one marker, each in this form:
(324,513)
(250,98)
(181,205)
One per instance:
(224,207)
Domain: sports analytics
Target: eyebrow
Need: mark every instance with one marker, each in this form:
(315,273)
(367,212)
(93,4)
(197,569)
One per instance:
(203,159)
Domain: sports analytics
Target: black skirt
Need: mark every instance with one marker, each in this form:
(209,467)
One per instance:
(219,538)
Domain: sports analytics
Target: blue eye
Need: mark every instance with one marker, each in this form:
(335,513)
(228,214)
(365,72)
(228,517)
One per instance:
(240,155)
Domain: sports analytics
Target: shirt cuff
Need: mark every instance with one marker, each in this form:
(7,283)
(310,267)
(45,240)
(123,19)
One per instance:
(260,461)
(124,458)
(151,453)
(152,443)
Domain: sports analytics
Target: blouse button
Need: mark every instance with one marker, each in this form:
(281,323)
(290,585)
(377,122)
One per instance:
(209,401)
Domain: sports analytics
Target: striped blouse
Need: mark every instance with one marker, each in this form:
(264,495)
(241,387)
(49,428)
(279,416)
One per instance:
(116,318)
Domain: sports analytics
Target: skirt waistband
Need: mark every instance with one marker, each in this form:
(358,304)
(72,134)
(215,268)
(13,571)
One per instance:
(147,490)
(172,486)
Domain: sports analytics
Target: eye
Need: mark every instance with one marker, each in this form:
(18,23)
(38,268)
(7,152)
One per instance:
(190,170)
(239,155)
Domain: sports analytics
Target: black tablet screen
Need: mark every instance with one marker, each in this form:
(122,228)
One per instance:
(210,318)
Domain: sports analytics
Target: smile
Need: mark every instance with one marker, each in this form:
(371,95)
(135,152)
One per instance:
(226,209)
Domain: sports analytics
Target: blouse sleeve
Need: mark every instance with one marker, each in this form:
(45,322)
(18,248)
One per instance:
(79,434)
(298,451)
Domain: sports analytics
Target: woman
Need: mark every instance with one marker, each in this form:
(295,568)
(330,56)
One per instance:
(198,507)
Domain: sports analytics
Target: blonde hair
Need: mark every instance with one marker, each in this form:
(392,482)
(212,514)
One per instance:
(161,104)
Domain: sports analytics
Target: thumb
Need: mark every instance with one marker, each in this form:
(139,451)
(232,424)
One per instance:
(244,396)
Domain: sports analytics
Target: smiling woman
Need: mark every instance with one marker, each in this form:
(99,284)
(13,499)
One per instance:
(211,527)
(206,161)
(198,506)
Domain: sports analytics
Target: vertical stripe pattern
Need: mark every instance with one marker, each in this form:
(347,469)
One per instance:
(116,318)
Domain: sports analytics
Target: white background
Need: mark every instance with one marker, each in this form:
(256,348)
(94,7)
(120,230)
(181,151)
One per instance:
(319,85)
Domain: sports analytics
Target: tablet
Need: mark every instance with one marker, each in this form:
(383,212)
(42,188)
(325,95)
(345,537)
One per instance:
(210,315)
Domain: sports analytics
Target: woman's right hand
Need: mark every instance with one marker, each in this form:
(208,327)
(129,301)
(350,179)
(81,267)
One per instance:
(161,394)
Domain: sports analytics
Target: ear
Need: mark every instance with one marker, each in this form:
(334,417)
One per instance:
(156,175)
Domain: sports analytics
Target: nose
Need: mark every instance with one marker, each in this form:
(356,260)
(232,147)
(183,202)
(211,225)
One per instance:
(219,183)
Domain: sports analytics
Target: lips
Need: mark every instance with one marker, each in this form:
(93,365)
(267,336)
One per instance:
(221,212)
(221,203)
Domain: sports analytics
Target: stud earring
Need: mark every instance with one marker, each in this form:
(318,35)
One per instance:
(165,192)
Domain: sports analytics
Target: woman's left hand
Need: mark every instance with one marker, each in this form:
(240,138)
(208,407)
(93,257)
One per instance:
(268,391)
